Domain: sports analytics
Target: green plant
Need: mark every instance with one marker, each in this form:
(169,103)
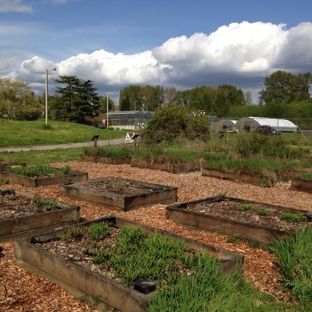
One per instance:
(222,194)
(295,263)
(72,232)
(262,212)
(232,239)
(265,182)
(305,176)
(98,231)
(37,170)
(245,207)
(292,217)
(46,203)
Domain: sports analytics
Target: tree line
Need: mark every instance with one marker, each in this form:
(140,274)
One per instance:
(284,94)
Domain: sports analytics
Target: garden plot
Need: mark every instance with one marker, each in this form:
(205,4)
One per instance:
(120,194)
(25,214)
(34,176)
(87,261)
(238,217)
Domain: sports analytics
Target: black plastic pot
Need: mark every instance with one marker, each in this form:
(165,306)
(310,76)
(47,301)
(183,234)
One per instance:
(144,286)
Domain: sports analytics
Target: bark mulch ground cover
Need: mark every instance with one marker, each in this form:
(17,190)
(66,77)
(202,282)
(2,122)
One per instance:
(22,291)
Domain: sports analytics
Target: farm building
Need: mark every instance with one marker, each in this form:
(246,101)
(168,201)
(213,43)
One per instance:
(249,124)
(132,120)
(225,125)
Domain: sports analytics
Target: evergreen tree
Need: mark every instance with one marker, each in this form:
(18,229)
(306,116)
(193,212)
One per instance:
(75,100)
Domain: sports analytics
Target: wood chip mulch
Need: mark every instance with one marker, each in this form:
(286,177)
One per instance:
(23,291)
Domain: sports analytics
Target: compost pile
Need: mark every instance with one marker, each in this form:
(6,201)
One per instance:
(23,291)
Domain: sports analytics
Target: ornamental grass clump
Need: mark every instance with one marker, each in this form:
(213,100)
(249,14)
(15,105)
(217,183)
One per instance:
(293,217)
(45,203)
(33,171)
(295,258)
(245,207)
(98,231)
(109,151)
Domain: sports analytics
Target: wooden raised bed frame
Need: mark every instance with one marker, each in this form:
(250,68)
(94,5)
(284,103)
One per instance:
(164,194)
(41,180)
(82,283)
(238,176)
(301,185)
(180,214)
(27,226)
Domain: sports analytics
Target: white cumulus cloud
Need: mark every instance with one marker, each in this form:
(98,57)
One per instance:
(15,6)
(241,54)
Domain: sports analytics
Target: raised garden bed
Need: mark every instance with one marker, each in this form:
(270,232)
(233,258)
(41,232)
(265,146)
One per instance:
(120,194)
(40,180)
(47,256)
(107,160)
(4,164)
(237,217)
(239,176)
(20,217)
(301,185)
(165,164)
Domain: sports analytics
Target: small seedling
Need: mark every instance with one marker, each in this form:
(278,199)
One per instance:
(262,212)
(245,207)
(232,240)
(46,203)
(293,217)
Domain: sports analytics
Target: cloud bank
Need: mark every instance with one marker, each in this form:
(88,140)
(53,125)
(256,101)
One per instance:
(241,54)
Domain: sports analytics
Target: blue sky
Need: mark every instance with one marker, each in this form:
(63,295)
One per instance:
(181,44)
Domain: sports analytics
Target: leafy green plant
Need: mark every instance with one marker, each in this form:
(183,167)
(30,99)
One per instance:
(295,263)
(46,203)
(305,176)
(72,232)
(292,217)
(262,212)
(98,231)
(33,171)
(232,239)
(245,207)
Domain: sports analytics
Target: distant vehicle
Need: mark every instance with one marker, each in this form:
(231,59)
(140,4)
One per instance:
(267,130)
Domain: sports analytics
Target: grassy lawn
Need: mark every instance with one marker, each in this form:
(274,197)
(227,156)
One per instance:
(25,133)
(43,157)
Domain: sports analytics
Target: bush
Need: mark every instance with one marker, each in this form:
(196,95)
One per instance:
(166,124)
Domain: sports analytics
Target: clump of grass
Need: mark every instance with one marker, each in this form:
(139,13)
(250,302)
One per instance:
(232,239)
(98,231)
(305,176)
(293,217)
(294,257)
(46,203)
(109,151)
(33,171)
(72,232)
(262,212)
(245,207)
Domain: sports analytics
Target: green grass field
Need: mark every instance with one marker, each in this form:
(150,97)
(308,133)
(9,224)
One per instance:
(15,133)
(25,133)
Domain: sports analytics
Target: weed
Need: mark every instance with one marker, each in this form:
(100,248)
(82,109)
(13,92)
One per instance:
(72,232)
(293,217)
(262,212)
(245,207)
(98,231)
(46,203)
(232,239)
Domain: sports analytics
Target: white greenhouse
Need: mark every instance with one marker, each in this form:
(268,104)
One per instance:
(249,124)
